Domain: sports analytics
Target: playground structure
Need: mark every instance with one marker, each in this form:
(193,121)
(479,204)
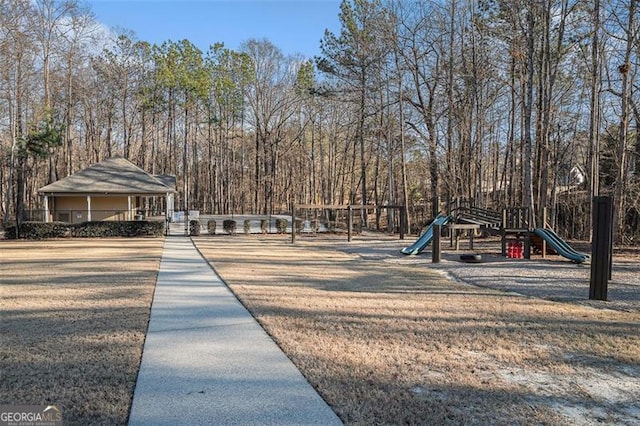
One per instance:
(515,222)
(512,225)
(515,229)
(425,239)
(558,245)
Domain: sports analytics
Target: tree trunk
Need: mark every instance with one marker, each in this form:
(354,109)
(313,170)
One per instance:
(594,111)
(621,180)
(528,111)
(363,163)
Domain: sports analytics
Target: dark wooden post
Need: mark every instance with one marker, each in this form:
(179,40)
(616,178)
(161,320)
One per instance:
(349,223)
(293,223)
(527,224)
(527,244)
(435,206)
(602,222)
(403,221)
(435,244)
(503,234)
(544,225)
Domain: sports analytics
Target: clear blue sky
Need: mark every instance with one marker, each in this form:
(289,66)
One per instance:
(294,26)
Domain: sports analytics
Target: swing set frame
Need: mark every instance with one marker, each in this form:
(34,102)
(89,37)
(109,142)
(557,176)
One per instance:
(349,211)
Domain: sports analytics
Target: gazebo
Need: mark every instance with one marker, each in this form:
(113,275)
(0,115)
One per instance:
(112,189)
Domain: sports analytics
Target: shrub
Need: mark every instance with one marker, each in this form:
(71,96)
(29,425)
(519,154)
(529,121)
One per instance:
(194,227)
(135,228)
(247,226)
(281,225)
(229,225)
(211,226)
(299,225)
(40,230)
(264,225)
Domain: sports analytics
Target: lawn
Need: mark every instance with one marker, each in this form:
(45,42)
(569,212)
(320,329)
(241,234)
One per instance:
(74,318)
(384,338)
(394,342)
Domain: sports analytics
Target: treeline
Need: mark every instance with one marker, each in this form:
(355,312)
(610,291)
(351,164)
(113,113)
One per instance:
(507,103)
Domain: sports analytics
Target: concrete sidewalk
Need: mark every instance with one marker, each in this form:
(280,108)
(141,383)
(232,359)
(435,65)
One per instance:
(206,361)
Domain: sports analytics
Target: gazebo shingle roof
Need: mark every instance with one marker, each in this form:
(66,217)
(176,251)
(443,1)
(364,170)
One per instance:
(114,175)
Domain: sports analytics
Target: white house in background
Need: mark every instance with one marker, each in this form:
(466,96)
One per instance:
(112,189)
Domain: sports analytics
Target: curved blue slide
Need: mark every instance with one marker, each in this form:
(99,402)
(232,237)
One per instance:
(426,237)
(560,246)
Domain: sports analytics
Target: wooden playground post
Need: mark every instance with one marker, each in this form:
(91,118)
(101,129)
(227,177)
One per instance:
(503,233)
(601,247)
(435,248)
(544,225)
(527,244)
(435,206)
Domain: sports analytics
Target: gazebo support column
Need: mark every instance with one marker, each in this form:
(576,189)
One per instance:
(166,207)
(169,208)
(88,208)
(129,208)
(46,208)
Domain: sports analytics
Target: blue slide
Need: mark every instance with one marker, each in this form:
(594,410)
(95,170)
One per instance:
(426,237)
(560,246)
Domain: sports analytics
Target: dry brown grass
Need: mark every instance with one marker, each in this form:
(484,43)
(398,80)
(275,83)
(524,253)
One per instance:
(74,318)
(383,342)
(396,343)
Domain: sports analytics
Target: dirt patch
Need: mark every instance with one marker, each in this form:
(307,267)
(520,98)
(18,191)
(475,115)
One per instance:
(387,340)
(74,318)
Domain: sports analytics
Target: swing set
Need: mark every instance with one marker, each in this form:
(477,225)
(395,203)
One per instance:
(334,217)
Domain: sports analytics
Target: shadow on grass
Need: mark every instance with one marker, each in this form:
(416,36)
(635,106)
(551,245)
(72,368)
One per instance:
(83,360)
(368,334)
(72,331)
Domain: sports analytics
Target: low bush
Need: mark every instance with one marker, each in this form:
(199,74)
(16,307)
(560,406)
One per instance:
(264,226)
(247,226)
(211,226)
(135,228)
(41,231)
(194,228)
(229,225)
(281,225)
(299,225)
